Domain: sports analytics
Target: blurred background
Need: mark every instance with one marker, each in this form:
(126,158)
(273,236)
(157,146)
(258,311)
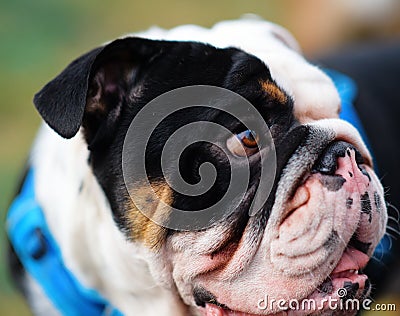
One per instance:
(39,38)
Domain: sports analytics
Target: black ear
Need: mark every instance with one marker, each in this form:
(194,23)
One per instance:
(62,101)
(93,88)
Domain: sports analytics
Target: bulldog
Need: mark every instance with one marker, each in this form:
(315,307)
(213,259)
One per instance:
(98,252)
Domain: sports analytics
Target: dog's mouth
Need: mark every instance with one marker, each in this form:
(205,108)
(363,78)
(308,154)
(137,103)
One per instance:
(345,282)
(347,275)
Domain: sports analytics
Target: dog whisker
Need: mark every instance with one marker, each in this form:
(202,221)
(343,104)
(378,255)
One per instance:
(395,231)
(393,219)
(378,260)
(394,208)
(342,240)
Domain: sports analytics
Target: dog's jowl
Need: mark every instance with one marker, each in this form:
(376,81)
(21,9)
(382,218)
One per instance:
(87,239)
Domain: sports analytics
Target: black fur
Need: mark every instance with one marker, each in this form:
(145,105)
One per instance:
(62,101)
(105,88)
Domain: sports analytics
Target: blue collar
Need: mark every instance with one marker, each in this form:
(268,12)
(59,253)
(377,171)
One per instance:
(41,257)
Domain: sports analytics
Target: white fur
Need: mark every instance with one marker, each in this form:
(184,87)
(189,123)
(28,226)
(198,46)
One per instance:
(92,246)
(314,94)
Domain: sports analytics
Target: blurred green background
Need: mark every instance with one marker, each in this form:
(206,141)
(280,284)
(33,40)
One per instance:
(39,38)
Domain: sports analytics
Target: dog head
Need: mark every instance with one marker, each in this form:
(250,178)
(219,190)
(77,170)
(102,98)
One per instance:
(325,211)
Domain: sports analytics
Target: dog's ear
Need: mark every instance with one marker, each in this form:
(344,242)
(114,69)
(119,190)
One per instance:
(91,91)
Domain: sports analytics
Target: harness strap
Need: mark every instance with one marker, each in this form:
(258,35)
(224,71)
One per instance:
(41,257)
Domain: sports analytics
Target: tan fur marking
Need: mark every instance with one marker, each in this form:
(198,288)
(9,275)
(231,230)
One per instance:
(141,227)
(273,91)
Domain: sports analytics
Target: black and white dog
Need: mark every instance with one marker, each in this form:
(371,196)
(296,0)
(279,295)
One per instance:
(93,252)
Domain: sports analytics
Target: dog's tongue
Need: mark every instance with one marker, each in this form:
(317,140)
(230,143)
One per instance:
(213,310)
(352,259)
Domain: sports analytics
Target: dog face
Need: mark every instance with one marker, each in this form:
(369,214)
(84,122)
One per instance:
(325,213)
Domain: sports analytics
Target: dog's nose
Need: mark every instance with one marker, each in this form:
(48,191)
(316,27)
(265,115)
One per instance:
(327,162)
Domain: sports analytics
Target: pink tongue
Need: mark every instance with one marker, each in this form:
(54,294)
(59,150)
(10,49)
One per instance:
(352,259)
(213,310)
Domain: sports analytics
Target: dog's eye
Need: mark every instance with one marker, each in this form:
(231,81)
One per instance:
(244,143)
(248,138)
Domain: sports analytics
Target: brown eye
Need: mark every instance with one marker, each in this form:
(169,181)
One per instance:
(243,144)
(248,138)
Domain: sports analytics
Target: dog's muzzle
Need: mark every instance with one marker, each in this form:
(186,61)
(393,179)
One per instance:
(328,217)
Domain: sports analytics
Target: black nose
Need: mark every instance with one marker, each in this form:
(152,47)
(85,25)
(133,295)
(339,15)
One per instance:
(327,163)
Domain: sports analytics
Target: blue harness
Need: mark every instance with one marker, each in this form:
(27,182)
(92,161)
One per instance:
(40,255)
